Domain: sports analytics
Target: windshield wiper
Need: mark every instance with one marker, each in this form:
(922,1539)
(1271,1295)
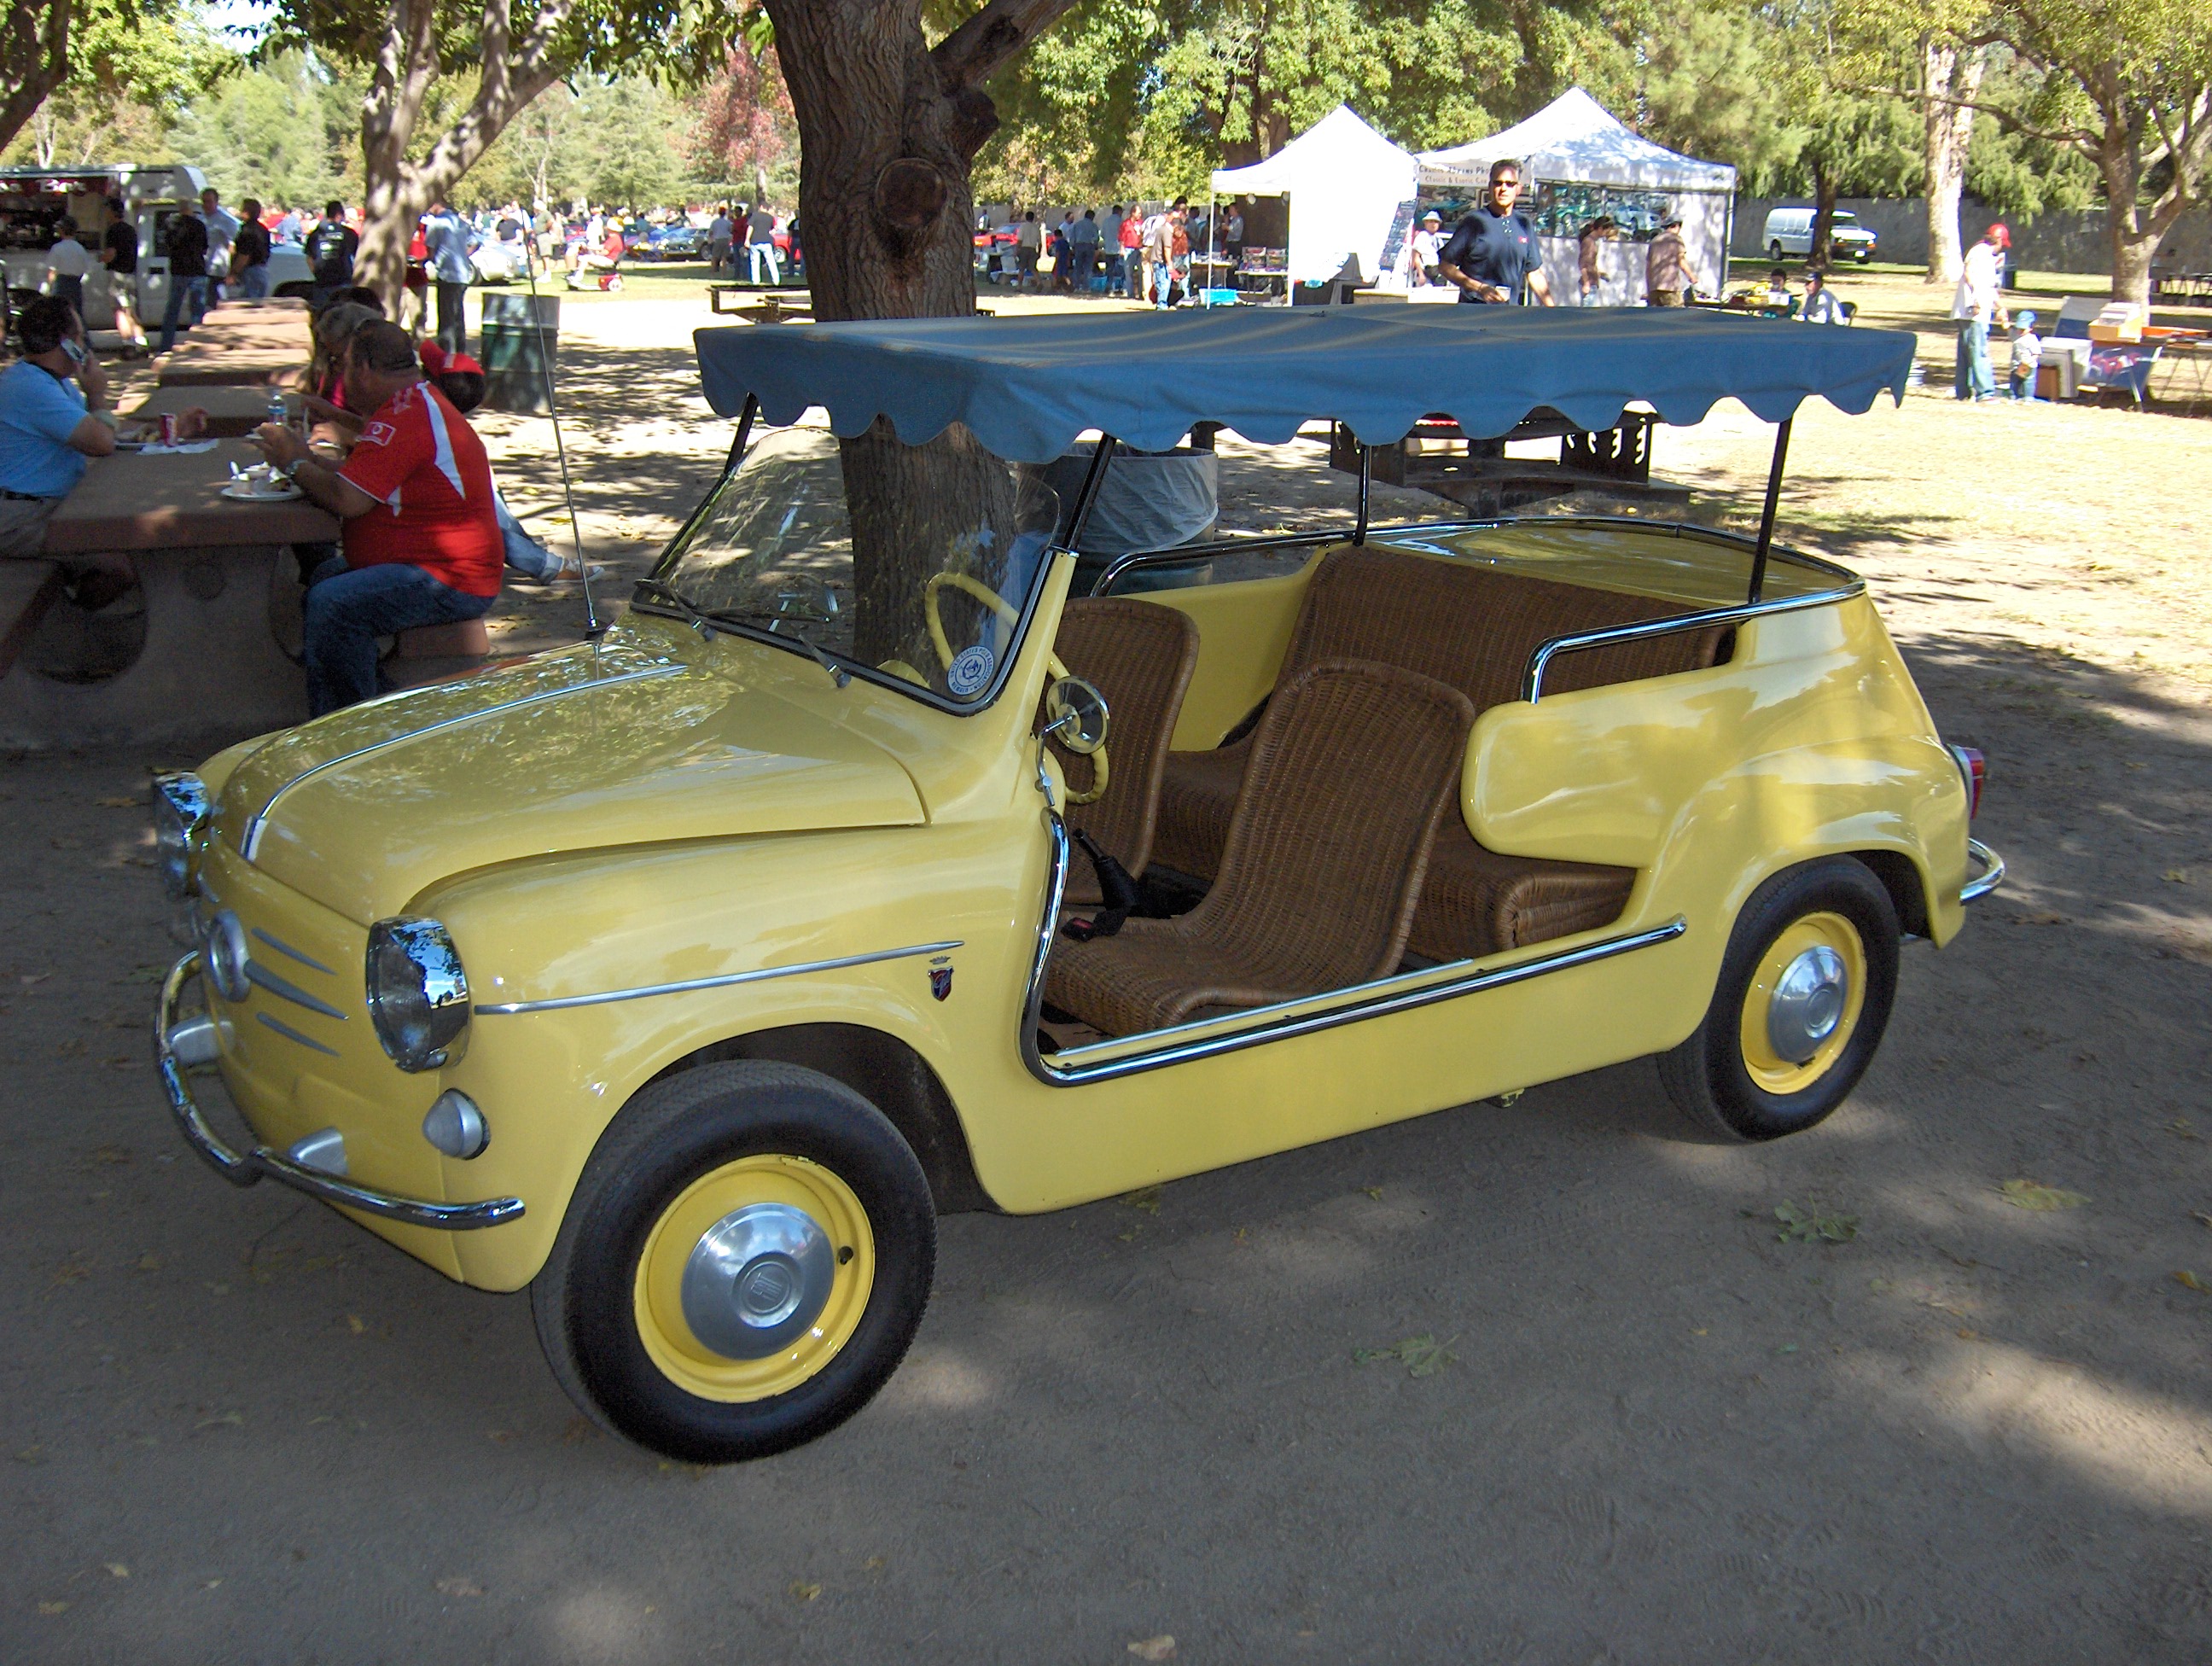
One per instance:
(704,620)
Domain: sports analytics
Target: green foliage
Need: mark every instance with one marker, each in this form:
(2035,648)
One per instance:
(620,143)
(285,130)
(1717,82)
(131,72)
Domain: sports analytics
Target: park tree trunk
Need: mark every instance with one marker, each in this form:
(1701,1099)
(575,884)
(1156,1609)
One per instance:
(1950,80)
(33,60)
(397,191)
(1818,253)
(889,128)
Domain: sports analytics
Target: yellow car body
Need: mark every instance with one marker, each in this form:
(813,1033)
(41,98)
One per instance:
(671,845)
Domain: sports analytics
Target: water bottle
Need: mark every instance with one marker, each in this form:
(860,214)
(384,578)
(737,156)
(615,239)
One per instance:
(276,406)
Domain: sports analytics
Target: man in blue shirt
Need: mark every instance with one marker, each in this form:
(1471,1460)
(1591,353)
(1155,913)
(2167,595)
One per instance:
(47,429)
(1493,255)
(448,240)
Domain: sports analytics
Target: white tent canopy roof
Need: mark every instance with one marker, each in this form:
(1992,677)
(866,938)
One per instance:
(1339,146)
(1575,137)
(1345,183)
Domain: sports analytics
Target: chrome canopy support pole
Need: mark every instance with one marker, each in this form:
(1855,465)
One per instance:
(1366,488)
(1766,515)
(593,629)
(1093,478)
(745,431)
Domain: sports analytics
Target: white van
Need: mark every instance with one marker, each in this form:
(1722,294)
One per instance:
(1790,231)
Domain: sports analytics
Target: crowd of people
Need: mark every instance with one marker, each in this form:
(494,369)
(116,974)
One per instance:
(1122,251)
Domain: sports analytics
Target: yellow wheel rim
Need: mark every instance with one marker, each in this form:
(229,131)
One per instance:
(1803,1004)
(754,1278)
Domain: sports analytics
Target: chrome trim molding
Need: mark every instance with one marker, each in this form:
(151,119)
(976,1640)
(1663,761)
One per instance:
(285,989)
(284,948)
(292,1035)
(1992,874)
(558,1003)
(1404,992)
(1532,680)
(250,845)
(246,1168)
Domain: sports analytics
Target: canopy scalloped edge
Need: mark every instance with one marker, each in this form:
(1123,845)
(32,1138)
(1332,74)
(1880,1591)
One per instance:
(1029,388)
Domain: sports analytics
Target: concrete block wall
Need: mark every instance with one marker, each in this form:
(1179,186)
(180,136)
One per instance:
(2048,243)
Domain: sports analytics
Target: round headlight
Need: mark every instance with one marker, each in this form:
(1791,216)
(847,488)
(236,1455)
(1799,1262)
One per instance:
(181,807)
(418,995)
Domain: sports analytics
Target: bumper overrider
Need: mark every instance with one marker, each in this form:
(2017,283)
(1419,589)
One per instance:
(1992,876)
(179,1047)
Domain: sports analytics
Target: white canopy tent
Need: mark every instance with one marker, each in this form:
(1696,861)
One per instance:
(1577,162)
(1346,184)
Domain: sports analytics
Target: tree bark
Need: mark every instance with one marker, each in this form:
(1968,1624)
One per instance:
(1950,79)
(1818,254)
(33,60)
(888,131)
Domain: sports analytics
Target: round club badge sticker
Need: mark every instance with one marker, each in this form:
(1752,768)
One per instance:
(969,673)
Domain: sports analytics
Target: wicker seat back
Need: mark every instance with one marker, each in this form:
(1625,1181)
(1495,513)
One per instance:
(1349,773)
(1141,656)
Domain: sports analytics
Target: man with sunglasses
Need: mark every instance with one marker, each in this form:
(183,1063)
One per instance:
(1493,255)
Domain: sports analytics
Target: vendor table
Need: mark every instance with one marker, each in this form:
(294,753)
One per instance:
(232,412)
(207,570)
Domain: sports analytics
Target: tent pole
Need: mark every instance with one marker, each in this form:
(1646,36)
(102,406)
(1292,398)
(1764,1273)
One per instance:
(1366,485)
(1766,515)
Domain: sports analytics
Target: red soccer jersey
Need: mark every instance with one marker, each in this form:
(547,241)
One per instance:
(425,466)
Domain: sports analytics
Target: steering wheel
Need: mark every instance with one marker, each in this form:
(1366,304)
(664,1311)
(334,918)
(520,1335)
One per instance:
(1009,615)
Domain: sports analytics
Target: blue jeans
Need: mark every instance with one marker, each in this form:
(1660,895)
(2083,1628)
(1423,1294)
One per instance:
(1974,379)
(182,291)
(764,254)
(253,282)
(524,553)
(347,609)
(1164,278)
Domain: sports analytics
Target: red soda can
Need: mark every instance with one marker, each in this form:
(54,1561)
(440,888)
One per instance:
(168,429)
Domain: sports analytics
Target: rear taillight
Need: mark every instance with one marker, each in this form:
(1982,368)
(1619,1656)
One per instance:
(1976,769)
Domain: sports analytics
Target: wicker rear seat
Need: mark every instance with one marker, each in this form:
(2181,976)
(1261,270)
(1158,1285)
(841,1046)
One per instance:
(1474,627)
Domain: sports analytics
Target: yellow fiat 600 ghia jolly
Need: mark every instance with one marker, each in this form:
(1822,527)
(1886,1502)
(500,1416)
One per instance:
(874,867)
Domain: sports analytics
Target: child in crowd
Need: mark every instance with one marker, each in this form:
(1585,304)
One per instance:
(2026,355)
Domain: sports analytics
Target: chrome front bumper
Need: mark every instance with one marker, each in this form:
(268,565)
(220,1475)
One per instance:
(1992,876)
(244,1169)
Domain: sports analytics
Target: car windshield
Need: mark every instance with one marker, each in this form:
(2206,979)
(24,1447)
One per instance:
(1842,218)
(913,565)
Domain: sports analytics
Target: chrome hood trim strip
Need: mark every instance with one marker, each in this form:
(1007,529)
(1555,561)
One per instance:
(558,1003)
(1403,991)
(248,845)
(292,1035)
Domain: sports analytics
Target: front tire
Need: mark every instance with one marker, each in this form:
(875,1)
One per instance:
(745,1262)
(1774,250)
(1804,994)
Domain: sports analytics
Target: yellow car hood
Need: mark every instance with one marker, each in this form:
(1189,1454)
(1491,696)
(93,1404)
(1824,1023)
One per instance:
(594,746)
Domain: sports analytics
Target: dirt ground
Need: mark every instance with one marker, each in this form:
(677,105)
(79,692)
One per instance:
(1546,1383)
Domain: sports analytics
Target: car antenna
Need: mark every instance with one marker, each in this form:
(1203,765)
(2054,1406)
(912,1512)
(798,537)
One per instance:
(594,630)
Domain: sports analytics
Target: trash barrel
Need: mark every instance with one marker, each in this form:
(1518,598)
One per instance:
(518,346)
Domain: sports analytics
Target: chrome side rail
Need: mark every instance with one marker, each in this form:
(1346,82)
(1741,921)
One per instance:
(1183,1043)
(1532,680)
(244,1169)
(1992,876)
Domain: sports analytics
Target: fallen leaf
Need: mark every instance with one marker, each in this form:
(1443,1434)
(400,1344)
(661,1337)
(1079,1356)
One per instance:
(1810,1226)
(872,1563)
(1968,1335)
(1145,1199)
(118,1569)
(1787,1348)
(1702,1330)
(1129,1237)
(2188,1280)
(499,1437)
(2029,1194)
(210,1584)
(355,1325)
(228,1420)
(579,1429)
(804,1591)
(53,1608)
(30,1455)
(2178,876)
(120,804)
(2182,1128)
(2199,1214)
(1422,1356)
(1154,1648)
(456,1586)
(1375,1192)
(149,1263)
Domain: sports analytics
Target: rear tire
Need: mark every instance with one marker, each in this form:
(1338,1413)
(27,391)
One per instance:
(773,1209)
(1804,994)
(1774,249)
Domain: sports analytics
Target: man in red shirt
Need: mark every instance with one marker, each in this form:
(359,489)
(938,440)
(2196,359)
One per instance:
(422,540)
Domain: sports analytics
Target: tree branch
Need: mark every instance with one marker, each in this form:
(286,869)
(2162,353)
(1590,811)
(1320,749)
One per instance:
(2078,138)
(35,58)
(973,52)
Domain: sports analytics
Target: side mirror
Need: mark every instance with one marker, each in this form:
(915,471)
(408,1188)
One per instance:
(1076,716)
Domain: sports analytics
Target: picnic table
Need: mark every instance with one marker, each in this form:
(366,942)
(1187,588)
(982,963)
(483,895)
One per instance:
(209,570)
(216,360)
(233,412)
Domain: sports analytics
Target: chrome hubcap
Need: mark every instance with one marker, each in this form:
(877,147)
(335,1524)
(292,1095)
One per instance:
(1808,1003)
(758,1280)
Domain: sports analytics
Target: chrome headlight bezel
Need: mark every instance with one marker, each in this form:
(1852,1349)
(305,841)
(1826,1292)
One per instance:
(180,812)
(418,994)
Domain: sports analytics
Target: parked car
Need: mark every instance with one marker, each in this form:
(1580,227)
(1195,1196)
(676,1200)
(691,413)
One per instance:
(501,263)
(678,240)
(1790,231)
(683,978)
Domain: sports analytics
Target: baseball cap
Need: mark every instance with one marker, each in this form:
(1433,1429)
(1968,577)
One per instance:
(433,356)
(1432,215)
(460,364)
(2025,320)
(2000,234)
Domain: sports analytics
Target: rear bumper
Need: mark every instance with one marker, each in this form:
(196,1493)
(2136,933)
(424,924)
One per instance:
(1990,877)
(245,1168)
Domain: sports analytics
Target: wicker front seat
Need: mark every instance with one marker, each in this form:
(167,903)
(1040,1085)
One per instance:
(1141,656)
(1349,773)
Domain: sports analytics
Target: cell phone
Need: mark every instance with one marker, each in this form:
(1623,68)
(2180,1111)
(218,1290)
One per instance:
(75,349)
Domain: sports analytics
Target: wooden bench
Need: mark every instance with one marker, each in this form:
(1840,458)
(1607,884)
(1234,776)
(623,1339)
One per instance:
(1472,628)
(28,589)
